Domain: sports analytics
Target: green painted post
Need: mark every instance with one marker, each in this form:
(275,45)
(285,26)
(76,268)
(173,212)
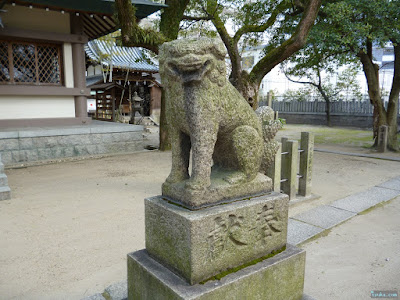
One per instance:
(274,171)
(306,161)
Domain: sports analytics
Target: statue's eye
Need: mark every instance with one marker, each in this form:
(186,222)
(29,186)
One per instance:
(174,69)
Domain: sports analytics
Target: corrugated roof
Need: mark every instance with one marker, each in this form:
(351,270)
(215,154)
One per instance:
(132,58)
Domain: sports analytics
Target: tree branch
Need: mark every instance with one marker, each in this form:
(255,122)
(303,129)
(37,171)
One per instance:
(298,81)
(260,28)
(131,34)
(290,46)
(197,18)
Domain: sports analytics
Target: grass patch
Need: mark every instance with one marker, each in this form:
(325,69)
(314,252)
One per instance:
(324,135)
(253,262)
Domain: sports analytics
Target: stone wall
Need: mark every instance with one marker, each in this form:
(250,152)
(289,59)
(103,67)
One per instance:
(5,192)
(28,145)
(345,120)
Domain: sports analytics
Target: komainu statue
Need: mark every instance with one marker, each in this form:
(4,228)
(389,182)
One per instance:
(208,116)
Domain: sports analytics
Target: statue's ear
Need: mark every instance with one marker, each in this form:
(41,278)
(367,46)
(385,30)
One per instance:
(219,50)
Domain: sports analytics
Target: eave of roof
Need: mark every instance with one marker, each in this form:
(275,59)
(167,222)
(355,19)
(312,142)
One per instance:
(97,15)
(106,7)
(127,58)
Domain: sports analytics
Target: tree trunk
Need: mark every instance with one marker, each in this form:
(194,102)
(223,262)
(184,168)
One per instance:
(371,72)
(169,27)
(393,105)
(327,106)
(249,90)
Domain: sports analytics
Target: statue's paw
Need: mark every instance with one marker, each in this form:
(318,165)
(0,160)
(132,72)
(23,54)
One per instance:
(197,184)
(175,178)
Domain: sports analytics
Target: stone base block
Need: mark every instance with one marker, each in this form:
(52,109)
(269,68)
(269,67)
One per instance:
(200,244)
(220,190)
(3,180)
(5,193)
(278,278)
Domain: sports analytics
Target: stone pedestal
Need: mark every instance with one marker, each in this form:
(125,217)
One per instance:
(200,244)
(242,243)
(279,277)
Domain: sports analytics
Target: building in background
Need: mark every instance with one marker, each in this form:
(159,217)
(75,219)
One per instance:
(114,74)
(42,58)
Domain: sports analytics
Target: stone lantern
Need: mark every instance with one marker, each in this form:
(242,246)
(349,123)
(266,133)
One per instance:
(136,106)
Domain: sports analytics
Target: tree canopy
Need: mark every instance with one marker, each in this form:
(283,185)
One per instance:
(347,31)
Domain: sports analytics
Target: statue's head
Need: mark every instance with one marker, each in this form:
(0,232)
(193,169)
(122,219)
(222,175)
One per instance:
(190,60)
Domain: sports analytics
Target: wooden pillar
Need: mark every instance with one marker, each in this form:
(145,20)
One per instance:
(290,154)
(113,101)
(269,99)
(274,171)
(78,63)
(306,160)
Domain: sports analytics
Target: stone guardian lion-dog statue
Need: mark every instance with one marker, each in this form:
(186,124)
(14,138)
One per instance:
(208,116)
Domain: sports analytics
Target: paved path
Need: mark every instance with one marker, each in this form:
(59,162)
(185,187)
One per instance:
(317,221)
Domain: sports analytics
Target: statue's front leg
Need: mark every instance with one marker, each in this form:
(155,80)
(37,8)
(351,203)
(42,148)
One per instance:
(180,144)
(203,142)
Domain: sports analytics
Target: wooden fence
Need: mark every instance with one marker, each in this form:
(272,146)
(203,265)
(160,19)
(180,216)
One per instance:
(291,171)
(340,107)
(344,107)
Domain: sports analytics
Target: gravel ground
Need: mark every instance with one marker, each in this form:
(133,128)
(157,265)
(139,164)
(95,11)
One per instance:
(69,225)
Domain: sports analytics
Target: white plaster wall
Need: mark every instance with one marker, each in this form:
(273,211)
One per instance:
(68,65)
(33,107)
(98,70)
(35,19)
(90,71)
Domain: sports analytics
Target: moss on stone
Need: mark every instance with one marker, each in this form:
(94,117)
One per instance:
(251,263)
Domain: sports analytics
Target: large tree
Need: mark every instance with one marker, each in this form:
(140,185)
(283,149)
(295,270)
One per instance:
(251,20)
(317,62)
(356,27)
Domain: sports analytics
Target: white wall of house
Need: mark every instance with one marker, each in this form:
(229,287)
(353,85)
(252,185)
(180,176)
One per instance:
(33,107)
(20,107)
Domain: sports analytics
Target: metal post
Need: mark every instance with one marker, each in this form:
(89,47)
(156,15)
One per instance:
(274,171)
(306,161)
(289,167)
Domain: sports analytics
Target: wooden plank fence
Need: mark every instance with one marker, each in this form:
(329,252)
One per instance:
(340,107)
(291,171)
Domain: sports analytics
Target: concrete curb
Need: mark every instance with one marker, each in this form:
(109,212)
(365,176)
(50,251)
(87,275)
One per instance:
(376,156)
(307,225)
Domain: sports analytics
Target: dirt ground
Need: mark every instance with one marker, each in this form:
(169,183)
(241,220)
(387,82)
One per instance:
(68,227)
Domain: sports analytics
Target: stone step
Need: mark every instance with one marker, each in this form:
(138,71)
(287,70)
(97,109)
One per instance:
(3,180)
(5,193)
